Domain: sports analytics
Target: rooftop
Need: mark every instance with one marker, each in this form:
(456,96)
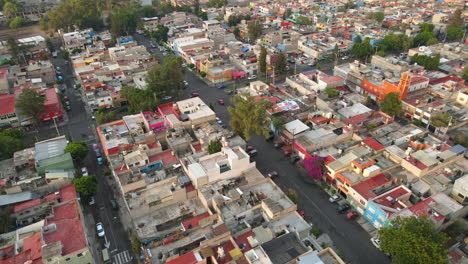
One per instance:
(7,104)
(50,148)
(284,248)
(365,188)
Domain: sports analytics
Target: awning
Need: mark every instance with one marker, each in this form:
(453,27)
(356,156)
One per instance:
(239,74)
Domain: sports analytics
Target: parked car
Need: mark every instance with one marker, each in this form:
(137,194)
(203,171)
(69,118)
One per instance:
(221,101)
(185,83)
(279,144)
(218,120)
(251,77)
(252,153)
(287,153)
(294,159)
(376,242)
(99,161)
(84,171)
(194,95)
(301,213)
(100,229)
(222,86)
(68,107)
(334,198)
(114,204)
(270,138)
(272,174)
(167,98)
(343,208)
(91,201)
(249,148)
(66,98)
(351,215)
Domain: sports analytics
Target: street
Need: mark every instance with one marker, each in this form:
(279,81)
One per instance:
(80,127)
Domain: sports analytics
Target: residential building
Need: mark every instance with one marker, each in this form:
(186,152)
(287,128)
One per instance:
(460,190)
(53,106)
(8,116)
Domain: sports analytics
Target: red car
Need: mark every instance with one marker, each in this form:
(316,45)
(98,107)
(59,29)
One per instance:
(301,213)
(221,101)
(351,215)
(194,95)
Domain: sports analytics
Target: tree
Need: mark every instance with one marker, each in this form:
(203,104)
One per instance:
(17,22)
(86,185)
(278,122)
(236,32)
(392,104)
(202,74)
(454,33)
(262,66)
(428,62)
(362,50)
(139,100)
(11,132)
(456,19)
(287,13)
(215,146)
(413,240)
(377,16)
(9,145)
(11,9)
(280,64)
(426,27)
(202,15)
(123,21)
(303,20)
(136,245)
(315,167)
(7,223)
(167,78)
(461,139)
(217,3)
(103,117)
(396,43)
(441,119)
(336,50)
(424,38)
(465,73)
(255,30)
(292,195)
(160,34)
(78,150)
(331,93)
(82,13)
(249,117)
(31,103)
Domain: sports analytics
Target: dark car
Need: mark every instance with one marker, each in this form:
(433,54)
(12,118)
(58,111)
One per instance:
(270,138)
(272,174)
(279,144)
(252,153)
(343,208)
(294,159)
(114,204)
(287,153)
(194,95)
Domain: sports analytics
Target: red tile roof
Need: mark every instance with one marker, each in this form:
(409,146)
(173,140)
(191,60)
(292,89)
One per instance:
(51,97)
(243,239)
(65,194)
(166,157)
(7,104)
(67,219)
(373,144)
(32,251)
(366,187)
(422,209)
(197,147)
(188,258)
(228,246)
(195,221)
(392,196)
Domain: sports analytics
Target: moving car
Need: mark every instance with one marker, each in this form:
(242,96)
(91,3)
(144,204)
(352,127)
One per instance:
(222,86)
(343,208)
(334,198)
(84,171)
(100,230)
(221,101)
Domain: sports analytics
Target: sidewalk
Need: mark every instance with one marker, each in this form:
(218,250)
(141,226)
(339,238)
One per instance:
(90,235)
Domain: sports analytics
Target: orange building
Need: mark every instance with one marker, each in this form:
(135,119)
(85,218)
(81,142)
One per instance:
(402,88)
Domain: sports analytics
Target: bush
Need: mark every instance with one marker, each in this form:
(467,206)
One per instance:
(202,74)
(316,232)
(332,93)
(136,245)
(323,245)
(372,126)
(292,195)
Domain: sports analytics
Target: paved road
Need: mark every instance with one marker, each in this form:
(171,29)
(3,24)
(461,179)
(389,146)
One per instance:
(78,126)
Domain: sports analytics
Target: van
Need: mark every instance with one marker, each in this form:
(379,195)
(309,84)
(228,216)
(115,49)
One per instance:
(105,256)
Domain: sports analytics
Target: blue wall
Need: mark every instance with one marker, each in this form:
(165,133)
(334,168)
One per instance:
(375,215)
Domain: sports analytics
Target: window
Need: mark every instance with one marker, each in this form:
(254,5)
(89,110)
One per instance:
(362,202)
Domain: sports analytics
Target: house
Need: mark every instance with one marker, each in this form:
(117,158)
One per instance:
(53,106)
(362,192)
(8,116)
(460,190)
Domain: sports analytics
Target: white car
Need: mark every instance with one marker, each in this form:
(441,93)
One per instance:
(100,230)
(219,120)
(376,242)
(84,171)
(334,198)
(252,77)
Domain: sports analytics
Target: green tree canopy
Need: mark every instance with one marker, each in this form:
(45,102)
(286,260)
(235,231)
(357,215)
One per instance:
(441,120)
(31,103)
(160,34)
(11,9)
(281,64)
(9,145)
(139,100)
(287,13)
(255,30)
(103,117)
(279,122)
(465,73)
(12,132)
(7,223)
(454,33)
(167,78)
(332,93)
(413,240)
(460,138)
(362,50)
(86,185)
(17,22)
(123,21)
(428,62)
(78,150)
(377,16)
(249,117)
(426,27)
(303,20)
(424,38)
(215,146)
(396,43)
(217,3)
(392,104)
(456,19)
(136,245)
(262,66)
(82,13)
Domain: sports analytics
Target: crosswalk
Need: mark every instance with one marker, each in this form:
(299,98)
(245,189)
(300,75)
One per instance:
(122,257)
